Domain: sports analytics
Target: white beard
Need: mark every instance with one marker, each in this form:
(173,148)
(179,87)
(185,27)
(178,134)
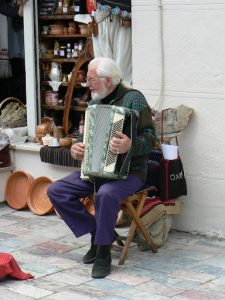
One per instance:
(100,95)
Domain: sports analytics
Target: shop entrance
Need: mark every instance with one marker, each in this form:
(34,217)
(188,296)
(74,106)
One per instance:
(12,64)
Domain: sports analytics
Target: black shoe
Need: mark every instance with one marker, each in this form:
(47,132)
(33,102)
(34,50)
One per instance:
(101,268)
(90,256)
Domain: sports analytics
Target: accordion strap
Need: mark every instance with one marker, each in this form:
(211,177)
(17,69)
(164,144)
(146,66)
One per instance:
(133,134)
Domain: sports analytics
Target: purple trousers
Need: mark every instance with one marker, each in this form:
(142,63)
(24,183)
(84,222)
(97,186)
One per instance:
(65,196)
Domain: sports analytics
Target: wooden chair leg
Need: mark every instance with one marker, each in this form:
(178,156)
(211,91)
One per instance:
(136,222)
(127,243)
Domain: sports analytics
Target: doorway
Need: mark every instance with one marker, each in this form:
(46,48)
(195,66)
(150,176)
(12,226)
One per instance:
(12,63)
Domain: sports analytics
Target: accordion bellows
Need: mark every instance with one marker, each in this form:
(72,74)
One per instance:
(101,124)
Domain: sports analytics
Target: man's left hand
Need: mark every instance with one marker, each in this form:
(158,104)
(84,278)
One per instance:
(120,144)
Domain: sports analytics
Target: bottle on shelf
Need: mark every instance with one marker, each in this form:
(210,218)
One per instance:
(80,45)
(76,50)
(59,9)
(81,125)
(77,6)
(65,8)
(63,51)
(68,51)
(56,49)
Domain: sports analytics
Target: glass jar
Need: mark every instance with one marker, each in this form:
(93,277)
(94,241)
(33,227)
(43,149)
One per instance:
(63,51)
(56,49)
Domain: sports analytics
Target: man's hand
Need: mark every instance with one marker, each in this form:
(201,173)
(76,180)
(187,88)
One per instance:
(77,151)
(120,144)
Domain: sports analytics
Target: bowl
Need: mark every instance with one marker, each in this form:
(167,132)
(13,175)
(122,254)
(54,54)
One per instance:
(37,198)
(17,187)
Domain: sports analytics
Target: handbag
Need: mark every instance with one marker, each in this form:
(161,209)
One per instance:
(172,182)
(172,179)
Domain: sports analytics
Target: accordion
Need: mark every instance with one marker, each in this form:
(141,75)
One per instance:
(101,124)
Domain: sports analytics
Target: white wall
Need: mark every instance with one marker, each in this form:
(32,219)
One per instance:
(29,48)
(194,73)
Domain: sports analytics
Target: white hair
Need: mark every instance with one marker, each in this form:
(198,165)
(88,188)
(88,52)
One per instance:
(107,67)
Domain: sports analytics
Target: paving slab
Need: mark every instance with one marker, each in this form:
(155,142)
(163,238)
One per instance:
(188,267)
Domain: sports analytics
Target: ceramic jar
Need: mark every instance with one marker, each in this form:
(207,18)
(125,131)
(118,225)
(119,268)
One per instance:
(56,72)
(83,29)
(58,132)
(46,140)
(72,28)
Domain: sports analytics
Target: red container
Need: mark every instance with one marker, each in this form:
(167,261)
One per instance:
(91,5)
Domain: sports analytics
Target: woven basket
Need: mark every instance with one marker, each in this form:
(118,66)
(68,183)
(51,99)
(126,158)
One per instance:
(13,113)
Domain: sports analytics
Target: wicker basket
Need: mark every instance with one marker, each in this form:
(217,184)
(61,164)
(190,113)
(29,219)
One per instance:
(12,113)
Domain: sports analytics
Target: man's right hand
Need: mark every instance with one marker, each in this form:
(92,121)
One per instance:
(77,151)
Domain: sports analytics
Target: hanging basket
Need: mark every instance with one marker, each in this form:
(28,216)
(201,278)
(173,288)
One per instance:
(13,113)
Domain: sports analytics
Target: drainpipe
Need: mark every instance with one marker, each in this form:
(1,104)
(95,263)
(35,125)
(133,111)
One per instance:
(158,104)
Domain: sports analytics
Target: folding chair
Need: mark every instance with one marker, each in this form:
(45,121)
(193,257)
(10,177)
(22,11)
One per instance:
(133,206)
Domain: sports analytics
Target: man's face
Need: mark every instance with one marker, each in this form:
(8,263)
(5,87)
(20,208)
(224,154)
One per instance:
(97,85)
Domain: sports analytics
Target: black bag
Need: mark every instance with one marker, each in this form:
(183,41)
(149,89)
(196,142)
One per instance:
(5,160)
(172,179)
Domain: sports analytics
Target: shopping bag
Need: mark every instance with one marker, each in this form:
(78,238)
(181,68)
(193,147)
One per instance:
(172,179)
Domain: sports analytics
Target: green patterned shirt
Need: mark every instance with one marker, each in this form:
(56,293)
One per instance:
(146,136)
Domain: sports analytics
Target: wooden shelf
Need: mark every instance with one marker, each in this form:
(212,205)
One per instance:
(64,36)
(60,107)
(77,84)
(44,82)
(57,17)
(60,60)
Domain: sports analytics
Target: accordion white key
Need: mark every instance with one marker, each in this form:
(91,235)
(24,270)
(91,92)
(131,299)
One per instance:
(101,124)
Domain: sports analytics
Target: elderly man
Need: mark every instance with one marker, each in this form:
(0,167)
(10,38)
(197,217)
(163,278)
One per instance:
(104,79)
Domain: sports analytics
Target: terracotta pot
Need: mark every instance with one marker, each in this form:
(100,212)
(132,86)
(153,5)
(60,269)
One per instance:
(83,29)
(72,28)
(43,128)
(56,29)
(37,199)
(89,205)
(65,142)
(17,188)
(58,132)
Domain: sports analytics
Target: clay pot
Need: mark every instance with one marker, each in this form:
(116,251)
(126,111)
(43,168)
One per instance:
(72,28)
(46,140)
(83,29)
(58,132)
(37,198)
(56,29)
(17,187)
(43,128)
(65,142)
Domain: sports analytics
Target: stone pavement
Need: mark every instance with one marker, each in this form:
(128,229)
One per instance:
(187,267)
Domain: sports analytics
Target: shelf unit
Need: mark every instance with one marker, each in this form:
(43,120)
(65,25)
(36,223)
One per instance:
(72,89)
